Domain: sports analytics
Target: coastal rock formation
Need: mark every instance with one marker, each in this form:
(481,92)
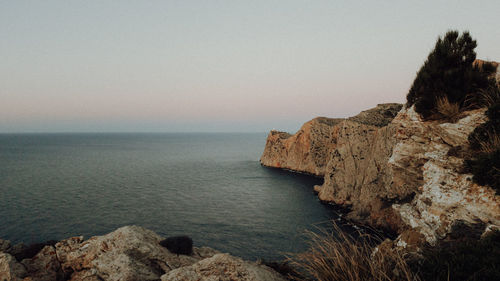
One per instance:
(444,195)
(402,175)
(308,150)
(223,267)
(10,269)
(128,253)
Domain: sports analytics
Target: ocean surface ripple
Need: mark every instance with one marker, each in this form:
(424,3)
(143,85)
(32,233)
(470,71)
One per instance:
(208,186)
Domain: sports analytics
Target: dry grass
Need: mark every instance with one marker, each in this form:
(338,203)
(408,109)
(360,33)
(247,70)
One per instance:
(489,96)
(484,98)
(448,110)
(339,256)
(490,145)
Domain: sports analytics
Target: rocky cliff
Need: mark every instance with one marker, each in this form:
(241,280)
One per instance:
(398,172)
(308,150)
(129,253)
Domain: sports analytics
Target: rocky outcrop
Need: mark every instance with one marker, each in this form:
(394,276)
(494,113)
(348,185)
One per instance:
(308,150)
(444,195)
(222,267)
(10,269)
(401,175)
(128,253)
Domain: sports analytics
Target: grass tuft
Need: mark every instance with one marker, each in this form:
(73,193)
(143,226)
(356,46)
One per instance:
(340,256)
(448,110)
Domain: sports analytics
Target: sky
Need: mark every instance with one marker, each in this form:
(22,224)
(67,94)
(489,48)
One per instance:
(217,66)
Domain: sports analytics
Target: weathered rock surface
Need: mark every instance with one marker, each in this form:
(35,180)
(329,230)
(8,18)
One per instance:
(128,253)
(44,266)
(10,269)
(400,175)
(308,150)
(223,267)
(444,195)
(4,245)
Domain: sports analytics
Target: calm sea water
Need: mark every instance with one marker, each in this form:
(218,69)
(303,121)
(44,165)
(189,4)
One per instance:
(208,186)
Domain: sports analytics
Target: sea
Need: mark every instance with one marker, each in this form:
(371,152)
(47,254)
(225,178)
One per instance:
(209,186)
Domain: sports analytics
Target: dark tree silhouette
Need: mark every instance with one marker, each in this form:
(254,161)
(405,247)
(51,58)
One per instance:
(448,72)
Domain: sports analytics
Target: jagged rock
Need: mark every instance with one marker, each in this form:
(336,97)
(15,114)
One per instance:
(21,251)
(4,245)
(128,253)
(44,266)
(495,64)
(309,149)
(10,269)
(445,194)
(306,151)
(401,176)
(17,250)
(223,267)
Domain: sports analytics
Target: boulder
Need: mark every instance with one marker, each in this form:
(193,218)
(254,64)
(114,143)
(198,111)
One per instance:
(4,245)
(44,266)
(11,269)
(223,267)
(181,245)
(128,253)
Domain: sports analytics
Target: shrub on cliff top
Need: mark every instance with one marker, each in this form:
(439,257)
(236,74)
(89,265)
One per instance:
(448,73)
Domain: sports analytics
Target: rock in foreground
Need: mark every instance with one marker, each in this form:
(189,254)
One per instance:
(128,253)
(222,267)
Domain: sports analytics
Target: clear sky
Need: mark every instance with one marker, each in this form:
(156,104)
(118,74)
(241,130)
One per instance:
(163,66)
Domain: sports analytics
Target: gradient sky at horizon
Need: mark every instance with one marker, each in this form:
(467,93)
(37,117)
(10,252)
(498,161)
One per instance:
(216,66)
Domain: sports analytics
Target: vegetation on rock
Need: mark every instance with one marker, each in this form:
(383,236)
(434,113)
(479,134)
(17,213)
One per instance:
(466,259)
(449,75)
(485,142)
(337,255)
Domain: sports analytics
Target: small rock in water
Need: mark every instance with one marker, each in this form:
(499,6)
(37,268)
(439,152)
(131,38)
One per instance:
(181,245)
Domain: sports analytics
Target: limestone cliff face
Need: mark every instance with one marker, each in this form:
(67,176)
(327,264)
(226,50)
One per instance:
(444,194)
(402,174)
(306,151)
(309,149)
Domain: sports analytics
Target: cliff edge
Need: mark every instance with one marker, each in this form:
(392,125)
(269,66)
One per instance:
(393,171)
(308,150)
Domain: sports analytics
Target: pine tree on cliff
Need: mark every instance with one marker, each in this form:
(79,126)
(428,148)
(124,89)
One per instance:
(448,73)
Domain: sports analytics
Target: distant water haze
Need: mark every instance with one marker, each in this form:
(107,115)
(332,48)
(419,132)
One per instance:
(216,66)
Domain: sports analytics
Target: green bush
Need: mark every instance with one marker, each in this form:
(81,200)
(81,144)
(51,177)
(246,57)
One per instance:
(448,73)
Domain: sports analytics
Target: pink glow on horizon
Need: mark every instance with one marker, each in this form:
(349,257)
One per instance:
(242,66)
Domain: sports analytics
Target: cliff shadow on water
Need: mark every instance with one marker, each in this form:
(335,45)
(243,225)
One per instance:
(337,214)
